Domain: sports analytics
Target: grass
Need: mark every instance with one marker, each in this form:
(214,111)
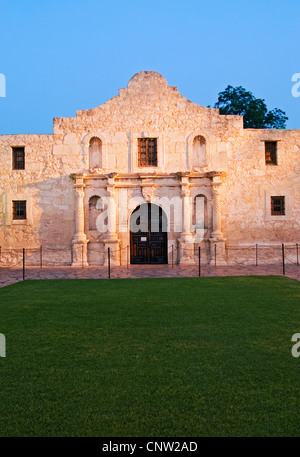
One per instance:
(150,357)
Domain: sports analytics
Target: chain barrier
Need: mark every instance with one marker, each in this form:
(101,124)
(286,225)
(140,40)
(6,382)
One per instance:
(11,266)
(123,255)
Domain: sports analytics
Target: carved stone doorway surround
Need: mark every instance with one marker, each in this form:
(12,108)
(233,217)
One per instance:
(186,238)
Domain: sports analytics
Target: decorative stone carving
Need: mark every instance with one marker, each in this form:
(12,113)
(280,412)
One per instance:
(111,235)
(98,171)
(148,193)
(216,178)
(217,233)
(79,217)
(79,243)
(186,234)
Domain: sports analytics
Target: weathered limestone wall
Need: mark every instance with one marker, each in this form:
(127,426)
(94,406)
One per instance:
(148,107)
(250,183)
(46,186)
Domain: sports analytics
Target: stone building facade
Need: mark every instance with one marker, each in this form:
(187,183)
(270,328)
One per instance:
(199,177)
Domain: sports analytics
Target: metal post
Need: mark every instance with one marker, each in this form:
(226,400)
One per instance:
(256,255)
(297,254)
(215,255)
(23,264)
(172,255)
(41,256)
(82,256)
(199,272)
(283,264)
(127,256)
(108,252)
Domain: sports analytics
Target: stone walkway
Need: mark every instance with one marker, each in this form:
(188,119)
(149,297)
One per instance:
(10,275)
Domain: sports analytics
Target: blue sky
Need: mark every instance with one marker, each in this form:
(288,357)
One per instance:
(63,56)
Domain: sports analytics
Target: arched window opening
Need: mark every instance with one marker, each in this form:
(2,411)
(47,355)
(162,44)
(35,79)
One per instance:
(200,214)
(95,152)
(199,152)
(95,208)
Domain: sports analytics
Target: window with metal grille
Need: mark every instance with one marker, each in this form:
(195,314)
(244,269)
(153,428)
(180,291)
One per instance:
(18,158)
(271,152)
(277,206)
(147,152)
(19,209)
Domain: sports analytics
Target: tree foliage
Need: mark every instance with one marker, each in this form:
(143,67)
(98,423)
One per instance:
(237,100)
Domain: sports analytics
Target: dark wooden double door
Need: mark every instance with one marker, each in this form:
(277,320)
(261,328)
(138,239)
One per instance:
(148,235)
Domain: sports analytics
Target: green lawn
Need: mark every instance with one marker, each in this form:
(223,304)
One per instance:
(150,357)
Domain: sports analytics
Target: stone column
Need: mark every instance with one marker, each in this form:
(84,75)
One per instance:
(186,246)
(186,198)
(111,214)
(216,233)
(79,242)
(111,239)
(217,240)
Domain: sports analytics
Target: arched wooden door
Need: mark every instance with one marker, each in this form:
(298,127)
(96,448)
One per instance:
(148,235)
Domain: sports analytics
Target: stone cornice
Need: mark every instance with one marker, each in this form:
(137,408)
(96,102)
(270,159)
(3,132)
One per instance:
(216,174)
(146,179)
(95,175)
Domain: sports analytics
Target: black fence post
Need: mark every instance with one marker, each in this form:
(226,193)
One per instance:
(199,272)
(127,254)
(297,254)
(23,264)
(283,264)
(41,256)
(108,253)
(215,255)
(172,255)
(256,254)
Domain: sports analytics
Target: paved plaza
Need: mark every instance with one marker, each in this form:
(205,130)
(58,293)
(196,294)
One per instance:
(12,275)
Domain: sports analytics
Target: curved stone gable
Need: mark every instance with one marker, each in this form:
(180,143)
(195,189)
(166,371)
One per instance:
(148,101)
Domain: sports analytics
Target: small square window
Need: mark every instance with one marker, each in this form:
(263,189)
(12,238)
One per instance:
(277,206)
(271,152)
(19,209)
(147,150)
(18,158)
